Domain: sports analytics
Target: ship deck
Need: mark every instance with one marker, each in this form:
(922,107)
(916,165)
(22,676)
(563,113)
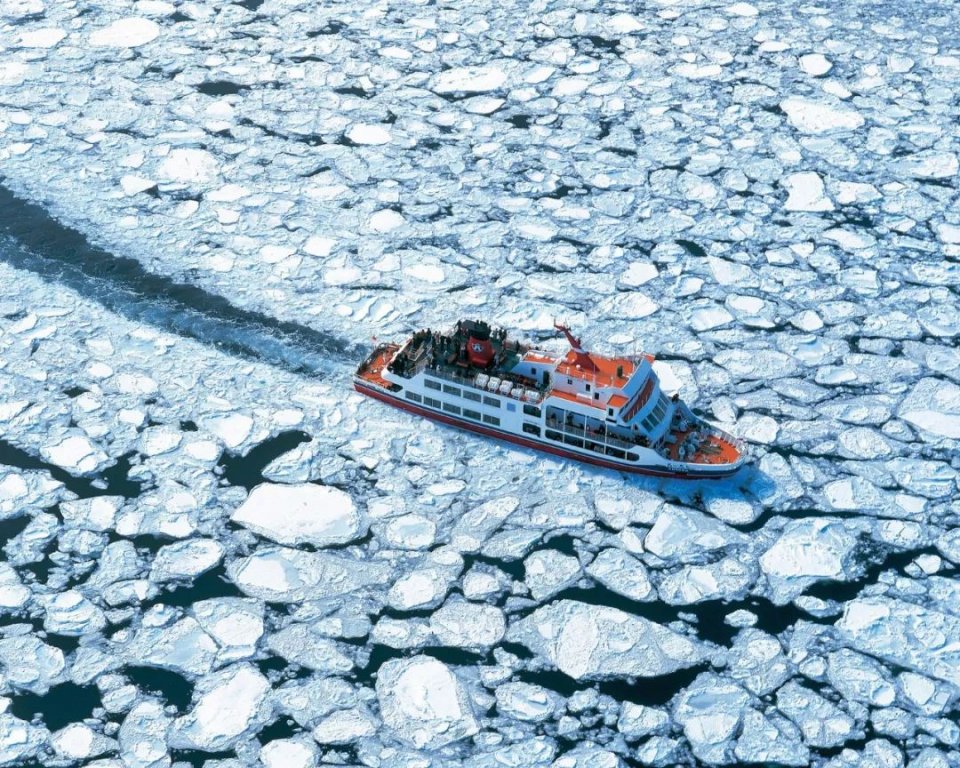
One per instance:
(712,450)
(372,368)
(574,398)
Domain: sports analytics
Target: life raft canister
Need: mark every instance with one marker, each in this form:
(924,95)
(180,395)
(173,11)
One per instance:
(479,352)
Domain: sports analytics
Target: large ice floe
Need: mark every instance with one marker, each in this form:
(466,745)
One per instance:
(589,642)
(213,553)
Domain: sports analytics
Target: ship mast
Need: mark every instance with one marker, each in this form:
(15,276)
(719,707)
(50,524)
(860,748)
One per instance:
(583,357)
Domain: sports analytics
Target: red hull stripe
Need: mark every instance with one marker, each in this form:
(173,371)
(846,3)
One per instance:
(511,438)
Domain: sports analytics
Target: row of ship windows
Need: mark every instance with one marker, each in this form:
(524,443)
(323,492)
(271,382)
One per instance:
(467,394)
(454,409)
(576,442)
(530,429)
(656,415)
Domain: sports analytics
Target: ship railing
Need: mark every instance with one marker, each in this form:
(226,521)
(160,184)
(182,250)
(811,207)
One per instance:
(470,378)
(591,434)
(736,442)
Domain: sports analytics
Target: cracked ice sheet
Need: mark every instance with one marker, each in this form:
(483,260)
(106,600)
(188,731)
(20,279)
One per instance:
(345,177)
(678,534)
(913,636)
(729,212)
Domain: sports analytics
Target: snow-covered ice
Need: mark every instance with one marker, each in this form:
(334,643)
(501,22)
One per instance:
(215,552)
(424,703)
(808,550)
(710,712)
(129,32)
(904,633)
(822,723)
(186,559)
(624,574)
(547,572)
(289,575)
(75,453)
(820,116)
(596,642)
(227,704)
(295,514)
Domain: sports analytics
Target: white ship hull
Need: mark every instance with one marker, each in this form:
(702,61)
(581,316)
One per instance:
(507,415)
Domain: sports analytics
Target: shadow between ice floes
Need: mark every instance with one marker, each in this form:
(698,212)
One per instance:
(246,470)
(61,705)
(31,239)
(113,481)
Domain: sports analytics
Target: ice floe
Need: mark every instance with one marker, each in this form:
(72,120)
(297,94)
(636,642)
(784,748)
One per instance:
(710,712)
(619,571)
(227,704)
(808,550)
(301,513)
(822,723)
(129,32)
(815,116)
(424,703)
(806,192)
(903,633)
(30,664)
(235,624)
(468,625)
(186,559)
(280,574)
(548,571)
(289,753)
(20,741)
(76,453)
(470,79)
(596,642)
